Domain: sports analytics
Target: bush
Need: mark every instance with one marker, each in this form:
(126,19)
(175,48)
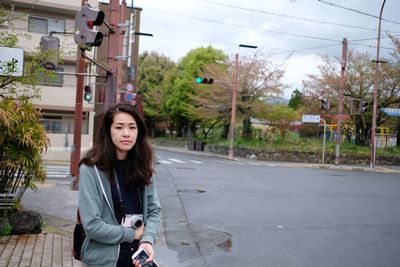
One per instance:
(22,141)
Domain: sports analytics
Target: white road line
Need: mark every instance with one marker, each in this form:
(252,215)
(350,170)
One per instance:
(164,162)
(177,161)
(195,161)
(57,175)
(253,163)
(222,161)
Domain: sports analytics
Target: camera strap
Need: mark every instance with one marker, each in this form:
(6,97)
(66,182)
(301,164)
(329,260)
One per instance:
(121,202)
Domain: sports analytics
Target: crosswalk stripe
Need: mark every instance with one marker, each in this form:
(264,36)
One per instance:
(195,161)
(164,161)
(177,160)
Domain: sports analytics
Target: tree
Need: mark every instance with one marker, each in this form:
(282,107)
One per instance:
(296,100)
(153,69)
(179,101)
(258,79)
(359,86)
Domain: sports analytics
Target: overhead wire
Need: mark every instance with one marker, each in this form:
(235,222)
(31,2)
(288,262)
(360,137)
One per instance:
(358,11)
(246,27)
(287,16)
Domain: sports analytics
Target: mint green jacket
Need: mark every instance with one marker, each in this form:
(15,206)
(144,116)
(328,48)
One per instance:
(103,234)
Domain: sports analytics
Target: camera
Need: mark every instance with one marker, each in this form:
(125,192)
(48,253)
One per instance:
(133,220)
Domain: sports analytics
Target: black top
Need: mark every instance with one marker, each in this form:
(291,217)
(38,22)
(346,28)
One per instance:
(130,196)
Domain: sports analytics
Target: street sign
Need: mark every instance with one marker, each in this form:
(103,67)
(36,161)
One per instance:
(391,111)
(129,86)
(311,118)
(11,61)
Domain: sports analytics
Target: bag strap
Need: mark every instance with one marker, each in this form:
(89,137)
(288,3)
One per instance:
(102,188)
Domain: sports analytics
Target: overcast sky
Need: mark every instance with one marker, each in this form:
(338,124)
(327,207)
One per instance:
(310,27)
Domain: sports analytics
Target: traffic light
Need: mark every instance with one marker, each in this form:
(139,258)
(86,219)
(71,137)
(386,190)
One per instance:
(325,104)
(200,80)
(88,96)
(85,19)
(50,44)
(363,106)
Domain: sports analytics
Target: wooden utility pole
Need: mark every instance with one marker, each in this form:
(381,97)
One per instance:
(231,151)
(340,102)
(76,149)
(113,49)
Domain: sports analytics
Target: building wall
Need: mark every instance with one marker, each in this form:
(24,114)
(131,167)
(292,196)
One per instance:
(57,102)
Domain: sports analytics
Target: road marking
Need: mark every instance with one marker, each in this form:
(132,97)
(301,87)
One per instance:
(165,162)
(195,161)
(177,161)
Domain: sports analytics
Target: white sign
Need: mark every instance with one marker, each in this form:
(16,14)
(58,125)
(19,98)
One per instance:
(391,111)
(311,118)
(11,61)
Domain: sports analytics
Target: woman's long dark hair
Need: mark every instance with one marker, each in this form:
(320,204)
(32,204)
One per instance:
(139,161)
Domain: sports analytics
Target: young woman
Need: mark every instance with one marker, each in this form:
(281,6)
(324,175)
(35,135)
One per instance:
(115,184)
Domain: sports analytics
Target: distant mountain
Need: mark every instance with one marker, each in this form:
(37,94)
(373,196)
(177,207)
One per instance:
(277,100)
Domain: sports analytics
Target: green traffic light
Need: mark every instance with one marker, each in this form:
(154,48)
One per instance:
(199,80)
(87,96)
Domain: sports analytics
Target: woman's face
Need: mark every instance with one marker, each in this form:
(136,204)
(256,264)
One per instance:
(124,133)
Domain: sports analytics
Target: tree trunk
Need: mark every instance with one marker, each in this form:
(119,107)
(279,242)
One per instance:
(225,132)
(246,134)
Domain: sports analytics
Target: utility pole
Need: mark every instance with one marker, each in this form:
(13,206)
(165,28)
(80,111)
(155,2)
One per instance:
(135,59)
(113,49)
(340,102)
(375,102)
(76,148)
(233,111)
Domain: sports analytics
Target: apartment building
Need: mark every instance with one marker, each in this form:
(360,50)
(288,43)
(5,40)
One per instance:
(38,18)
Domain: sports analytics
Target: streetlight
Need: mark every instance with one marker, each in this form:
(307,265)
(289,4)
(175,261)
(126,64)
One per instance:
(234,92)
(375,103)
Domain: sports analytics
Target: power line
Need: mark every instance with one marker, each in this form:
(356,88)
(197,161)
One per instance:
(287,16)
(357,11)
(247,27)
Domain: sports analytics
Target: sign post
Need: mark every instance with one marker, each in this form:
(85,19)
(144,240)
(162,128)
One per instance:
(317,119)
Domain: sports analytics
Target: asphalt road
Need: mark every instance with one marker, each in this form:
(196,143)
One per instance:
(219,212)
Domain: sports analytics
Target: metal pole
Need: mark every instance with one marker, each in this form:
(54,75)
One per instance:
(233,112)
(375,103)
(121,31)
(323,142)
(340,103)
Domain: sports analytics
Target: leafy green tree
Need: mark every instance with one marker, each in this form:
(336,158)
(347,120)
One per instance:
(153,69)
(296,100)
(179,102)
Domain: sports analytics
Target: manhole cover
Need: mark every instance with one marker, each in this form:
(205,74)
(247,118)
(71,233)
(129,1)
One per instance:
(191,191)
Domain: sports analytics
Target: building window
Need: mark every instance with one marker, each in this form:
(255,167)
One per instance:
(63,123)
(55,79)
(45,25)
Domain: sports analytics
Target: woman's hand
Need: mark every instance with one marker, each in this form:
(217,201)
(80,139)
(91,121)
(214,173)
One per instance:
(150,251)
